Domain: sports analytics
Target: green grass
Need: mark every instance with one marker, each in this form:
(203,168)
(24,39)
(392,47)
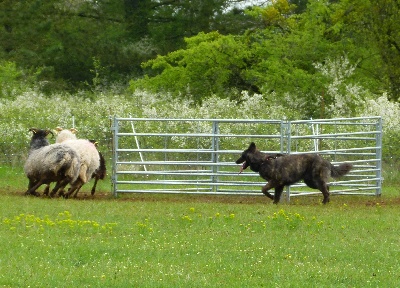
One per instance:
(178,242)
(197,241)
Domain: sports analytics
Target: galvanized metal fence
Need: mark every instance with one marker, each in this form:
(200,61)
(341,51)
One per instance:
(198,155)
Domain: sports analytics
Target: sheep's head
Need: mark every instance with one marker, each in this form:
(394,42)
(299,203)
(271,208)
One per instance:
(94,142)
(59,129)
(40,132)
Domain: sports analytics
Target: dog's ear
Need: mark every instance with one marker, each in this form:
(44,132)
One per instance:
(252,147)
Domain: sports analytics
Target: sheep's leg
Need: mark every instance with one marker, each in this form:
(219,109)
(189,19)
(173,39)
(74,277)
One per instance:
(32,187)
(55,189)
(66,195)
(77,190)
(46,190)
(72,189)
(59,186)
(69,192)
(94,186)
(82,173)
(31,183)
(61,192)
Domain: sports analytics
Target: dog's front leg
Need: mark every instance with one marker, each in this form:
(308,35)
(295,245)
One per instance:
(265,190)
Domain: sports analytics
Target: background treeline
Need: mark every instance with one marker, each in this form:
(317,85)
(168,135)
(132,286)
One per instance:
(64,43)
(200,48)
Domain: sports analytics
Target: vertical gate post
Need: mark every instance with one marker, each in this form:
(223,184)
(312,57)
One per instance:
(214,154)
(379,157)
(114,179)
(287,135)
(283,136)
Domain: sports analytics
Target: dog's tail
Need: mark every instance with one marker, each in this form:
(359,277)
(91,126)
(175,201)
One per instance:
(342,169)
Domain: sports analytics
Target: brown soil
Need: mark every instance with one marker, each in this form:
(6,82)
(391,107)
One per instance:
(231,199)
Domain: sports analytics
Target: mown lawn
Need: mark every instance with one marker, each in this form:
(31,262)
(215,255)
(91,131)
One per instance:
(198,241)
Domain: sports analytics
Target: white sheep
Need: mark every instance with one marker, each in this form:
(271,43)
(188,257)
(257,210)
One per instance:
(65,134)
(50,163)
(99,173)
(88,155)
(90,161)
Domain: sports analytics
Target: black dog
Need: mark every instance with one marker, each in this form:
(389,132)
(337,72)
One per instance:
(282,170)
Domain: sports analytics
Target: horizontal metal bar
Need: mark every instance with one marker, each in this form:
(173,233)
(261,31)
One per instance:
(160,191)
(333,121)
(263,121)
(221,183)
(204,135)
(186,163)
(233,193)
(345,151)
(334,135)
(179,173)
(219,164)
(209,173)
(185,182)
(339,121)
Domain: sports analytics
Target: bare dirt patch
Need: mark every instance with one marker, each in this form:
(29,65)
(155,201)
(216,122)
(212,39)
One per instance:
(228,199)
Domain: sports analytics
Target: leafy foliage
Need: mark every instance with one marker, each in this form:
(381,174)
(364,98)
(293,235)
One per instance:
(62,37)
(211,64)
(10,75)
(278,60)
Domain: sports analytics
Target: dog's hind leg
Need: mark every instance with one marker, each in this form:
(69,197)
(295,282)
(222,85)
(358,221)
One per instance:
(278,193)
(325,191)
(265,189)
(322,184)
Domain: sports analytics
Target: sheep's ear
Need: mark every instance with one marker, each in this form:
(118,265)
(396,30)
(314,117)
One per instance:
(58,129)
(48,131)
(34,130)
(94,142)
(73,130)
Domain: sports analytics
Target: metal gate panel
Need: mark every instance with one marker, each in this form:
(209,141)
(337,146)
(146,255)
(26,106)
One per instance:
(198,155)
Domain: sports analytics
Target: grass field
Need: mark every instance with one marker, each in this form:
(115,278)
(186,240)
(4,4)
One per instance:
(196,241)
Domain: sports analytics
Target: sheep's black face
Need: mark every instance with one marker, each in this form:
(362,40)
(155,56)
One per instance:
(39,138)
(39,133)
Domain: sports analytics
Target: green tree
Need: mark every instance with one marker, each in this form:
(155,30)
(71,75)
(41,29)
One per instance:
(168,22)
(382,21)
(211,64)
(61,36)
(369,31)
(277,59)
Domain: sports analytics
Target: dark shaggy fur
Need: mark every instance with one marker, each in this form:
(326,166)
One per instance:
(100,173)
(49,163)
(282,170)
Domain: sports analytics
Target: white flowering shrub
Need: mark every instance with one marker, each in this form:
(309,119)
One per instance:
(92,115)
(341,98)
(33,109)
(390,113)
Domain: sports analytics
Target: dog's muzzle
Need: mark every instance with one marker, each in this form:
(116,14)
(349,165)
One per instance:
(244,166)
